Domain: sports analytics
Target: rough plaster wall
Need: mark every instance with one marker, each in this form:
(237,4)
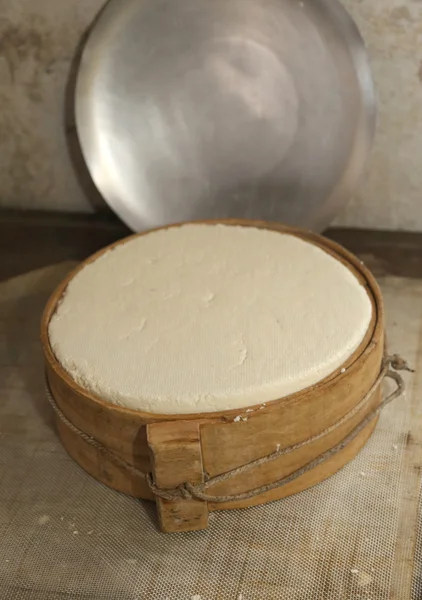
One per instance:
(391,194)
(37,43)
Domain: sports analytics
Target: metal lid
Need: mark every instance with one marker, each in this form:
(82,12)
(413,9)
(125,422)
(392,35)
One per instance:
(194,109)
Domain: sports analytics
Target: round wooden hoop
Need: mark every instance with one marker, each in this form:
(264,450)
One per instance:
(218,442)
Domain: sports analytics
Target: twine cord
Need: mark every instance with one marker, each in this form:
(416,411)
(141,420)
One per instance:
(391,365)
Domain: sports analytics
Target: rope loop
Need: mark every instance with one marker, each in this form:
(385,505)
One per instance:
(187,491)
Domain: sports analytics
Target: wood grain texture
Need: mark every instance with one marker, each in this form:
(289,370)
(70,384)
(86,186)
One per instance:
(226,444)
(176,458)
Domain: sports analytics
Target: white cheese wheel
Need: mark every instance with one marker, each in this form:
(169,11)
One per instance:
(202,318)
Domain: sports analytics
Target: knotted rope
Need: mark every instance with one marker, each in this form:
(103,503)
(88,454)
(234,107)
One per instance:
(390,367)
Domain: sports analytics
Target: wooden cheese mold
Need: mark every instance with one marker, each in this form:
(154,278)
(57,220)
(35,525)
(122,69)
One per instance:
(180,449)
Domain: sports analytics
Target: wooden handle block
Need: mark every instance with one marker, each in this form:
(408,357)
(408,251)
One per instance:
(176,458)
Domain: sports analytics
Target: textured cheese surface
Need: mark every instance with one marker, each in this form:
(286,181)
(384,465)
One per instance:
(202,318)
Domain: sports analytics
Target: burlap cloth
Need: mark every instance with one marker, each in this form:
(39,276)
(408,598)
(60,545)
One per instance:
(65,536)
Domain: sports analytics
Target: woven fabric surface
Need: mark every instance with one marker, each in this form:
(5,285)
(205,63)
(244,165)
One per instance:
(65,536)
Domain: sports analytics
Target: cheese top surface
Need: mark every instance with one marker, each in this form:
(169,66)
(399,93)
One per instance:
(202,318)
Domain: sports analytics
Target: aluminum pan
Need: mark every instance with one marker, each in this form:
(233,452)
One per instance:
(226,108)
